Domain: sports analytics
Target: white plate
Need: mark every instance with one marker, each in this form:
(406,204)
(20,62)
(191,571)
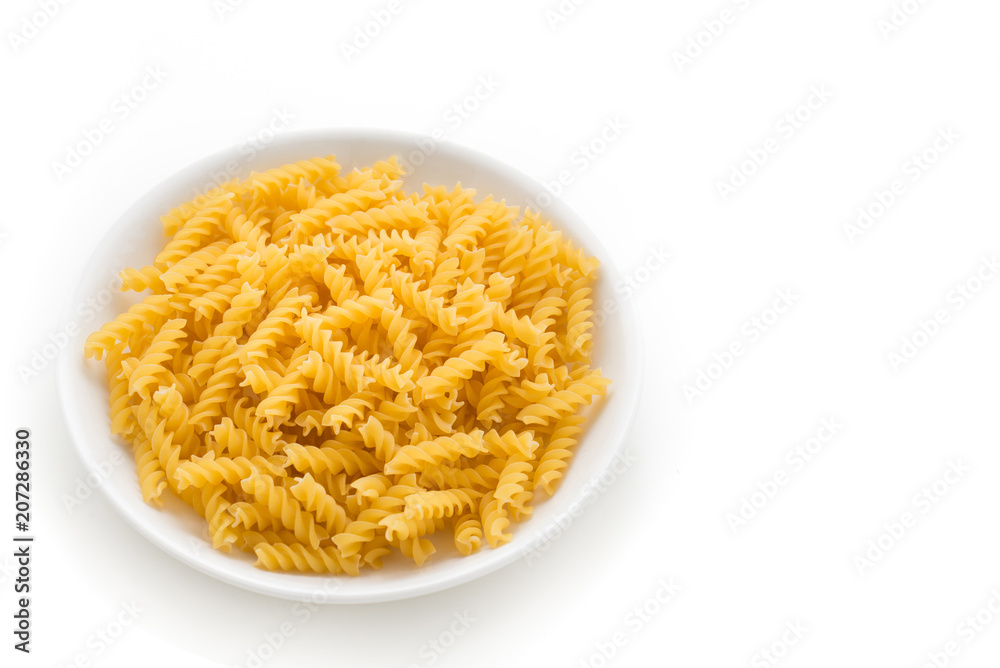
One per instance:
(137,237)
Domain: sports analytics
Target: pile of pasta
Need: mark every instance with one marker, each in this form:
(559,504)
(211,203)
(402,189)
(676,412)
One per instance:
(329,370)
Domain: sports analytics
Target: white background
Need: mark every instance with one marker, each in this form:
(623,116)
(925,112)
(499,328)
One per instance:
(654,186)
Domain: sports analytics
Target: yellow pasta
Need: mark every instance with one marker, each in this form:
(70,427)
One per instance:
(330,370)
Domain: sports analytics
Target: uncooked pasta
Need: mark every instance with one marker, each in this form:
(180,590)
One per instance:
(329,369)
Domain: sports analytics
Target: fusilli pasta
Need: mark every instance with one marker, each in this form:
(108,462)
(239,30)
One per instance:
(330,370)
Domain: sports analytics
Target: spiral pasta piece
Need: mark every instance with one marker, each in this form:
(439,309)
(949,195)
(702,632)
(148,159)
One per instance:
(151,370)
(282,505)
(297,557)
(196,231)
(437,504)
(330,459)
(268,187)
(468,534)
(209,470)
(314,498)
(557,453)
(411,458)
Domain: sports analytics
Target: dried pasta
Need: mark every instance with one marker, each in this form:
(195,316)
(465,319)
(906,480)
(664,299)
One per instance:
(330,370)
